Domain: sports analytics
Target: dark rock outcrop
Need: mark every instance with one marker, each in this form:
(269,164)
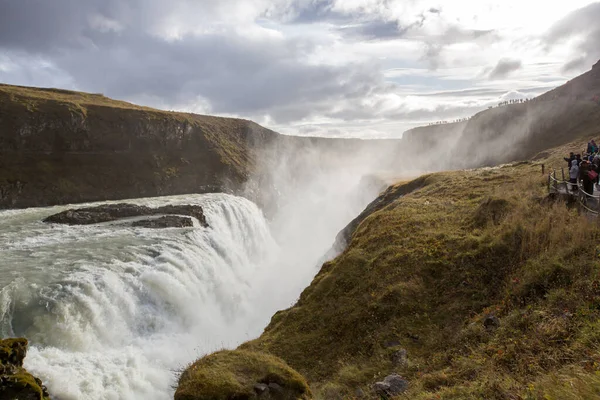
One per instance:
(491,322)
(392,385)
(114,212)
(168,221)
(15,381)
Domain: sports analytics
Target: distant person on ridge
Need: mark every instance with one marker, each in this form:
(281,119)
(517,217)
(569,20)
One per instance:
(573,174)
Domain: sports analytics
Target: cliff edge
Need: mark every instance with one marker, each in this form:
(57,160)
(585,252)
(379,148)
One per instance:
(59,147)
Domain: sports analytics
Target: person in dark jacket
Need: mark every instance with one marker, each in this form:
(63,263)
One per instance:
(587,183)
(570,159)
(578,158)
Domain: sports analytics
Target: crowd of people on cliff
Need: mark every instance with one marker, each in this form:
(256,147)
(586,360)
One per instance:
(585,169)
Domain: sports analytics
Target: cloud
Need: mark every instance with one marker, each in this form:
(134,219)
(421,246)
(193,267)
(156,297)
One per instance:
(366,65)
(504,68)
(580,26)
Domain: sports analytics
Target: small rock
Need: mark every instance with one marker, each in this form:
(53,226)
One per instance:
(381,388)
(413,337)
(491,322)
(261,388)
(392,385)
(275,388)
(359,393)
(400,358)
(391,343)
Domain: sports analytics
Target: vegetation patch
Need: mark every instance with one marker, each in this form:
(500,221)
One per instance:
(241,375)
(15,381)
(491,295)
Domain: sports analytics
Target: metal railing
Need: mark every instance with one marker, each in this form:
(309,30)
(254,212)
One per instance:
(587,201)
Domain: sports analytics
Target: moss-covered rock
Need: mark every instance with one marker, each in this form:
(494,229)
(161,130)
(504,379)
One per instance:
(15,381)
(241,374)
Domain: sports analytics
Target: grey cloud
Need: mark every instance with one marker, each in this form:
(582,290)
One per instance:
(580,23)
(454,34)
(233,73)
(504,67)
(308,11)
(374,30)
(433,54)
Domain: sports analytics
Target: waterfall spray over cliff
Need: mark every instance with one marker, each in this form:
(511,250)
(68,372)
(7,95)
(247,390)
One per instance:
(113,310)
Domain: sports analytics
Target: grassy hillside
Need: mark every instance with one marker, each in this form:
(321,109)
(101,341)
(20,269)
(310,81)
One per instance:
(516,131)
(60,146)
(492,290)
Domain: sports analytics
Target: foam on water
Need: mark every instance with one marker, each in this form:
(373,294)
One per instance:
(113,312)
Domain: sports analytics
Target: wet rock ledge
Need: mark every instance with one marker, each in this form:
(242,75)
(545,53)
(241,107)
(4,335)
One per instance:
(172,216)
(15,381)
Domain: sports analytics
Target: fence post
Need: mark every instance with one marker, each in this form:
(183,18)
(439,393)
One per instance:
(562,170)
(543,169)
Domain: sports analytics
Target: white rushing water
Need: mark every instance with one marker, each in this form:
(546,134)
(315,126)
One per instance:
(113,312)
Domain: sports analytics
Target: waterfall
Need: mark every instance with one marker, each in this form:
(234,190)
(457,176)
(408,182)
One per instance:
(114,312)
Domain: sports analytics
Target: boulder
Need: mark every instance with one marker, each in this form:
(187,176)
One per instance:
(392,385)
(13,351)
(15,381)
(114,212)
(276,390)
(400,358)
(169,221)
(261,389)
(491,322)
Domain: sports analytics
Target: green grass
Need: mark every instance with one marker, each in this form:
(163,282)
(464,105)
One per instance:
(427,269)
(232,375)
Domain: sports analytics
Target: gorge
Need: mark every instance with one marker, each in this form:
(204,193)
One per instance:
(113,310)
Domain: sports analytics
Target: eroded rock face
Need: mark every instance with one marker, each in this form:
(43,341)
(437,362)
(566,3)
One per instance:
(169,221)
(114,212)
(15,381)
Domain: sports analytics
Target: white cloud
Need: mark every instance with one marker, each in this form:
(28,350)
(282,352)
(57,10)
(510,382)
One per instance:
(339,67)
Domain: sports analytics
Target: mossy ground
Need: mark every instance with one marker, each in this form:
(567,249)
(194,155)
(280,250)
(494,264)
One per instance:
(15,381)
(424,272)
(232,375)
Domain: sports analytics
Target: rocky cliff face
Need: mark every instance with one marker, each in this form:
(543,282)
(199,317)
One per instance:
(63,147)
(60,147)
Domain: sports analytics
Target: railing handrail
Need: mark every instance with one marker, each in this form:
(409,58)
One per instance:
(582,195)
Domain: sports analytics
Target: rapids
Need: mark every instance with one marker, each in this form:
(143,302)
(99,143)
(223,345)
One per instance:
(114,312)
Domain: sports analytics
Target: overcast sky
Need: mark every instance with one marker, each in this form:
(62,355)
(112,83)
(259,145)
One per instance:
(361,68)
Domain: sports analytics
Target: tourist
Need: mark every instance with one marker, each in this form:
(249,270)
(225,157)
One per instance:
(586,180)
(573,174)
(594,147)
(578,158)
(570,159)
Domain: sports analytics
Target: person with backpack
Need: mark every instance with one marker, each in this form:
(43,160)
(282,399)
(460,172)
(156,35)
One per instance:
(587,177)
